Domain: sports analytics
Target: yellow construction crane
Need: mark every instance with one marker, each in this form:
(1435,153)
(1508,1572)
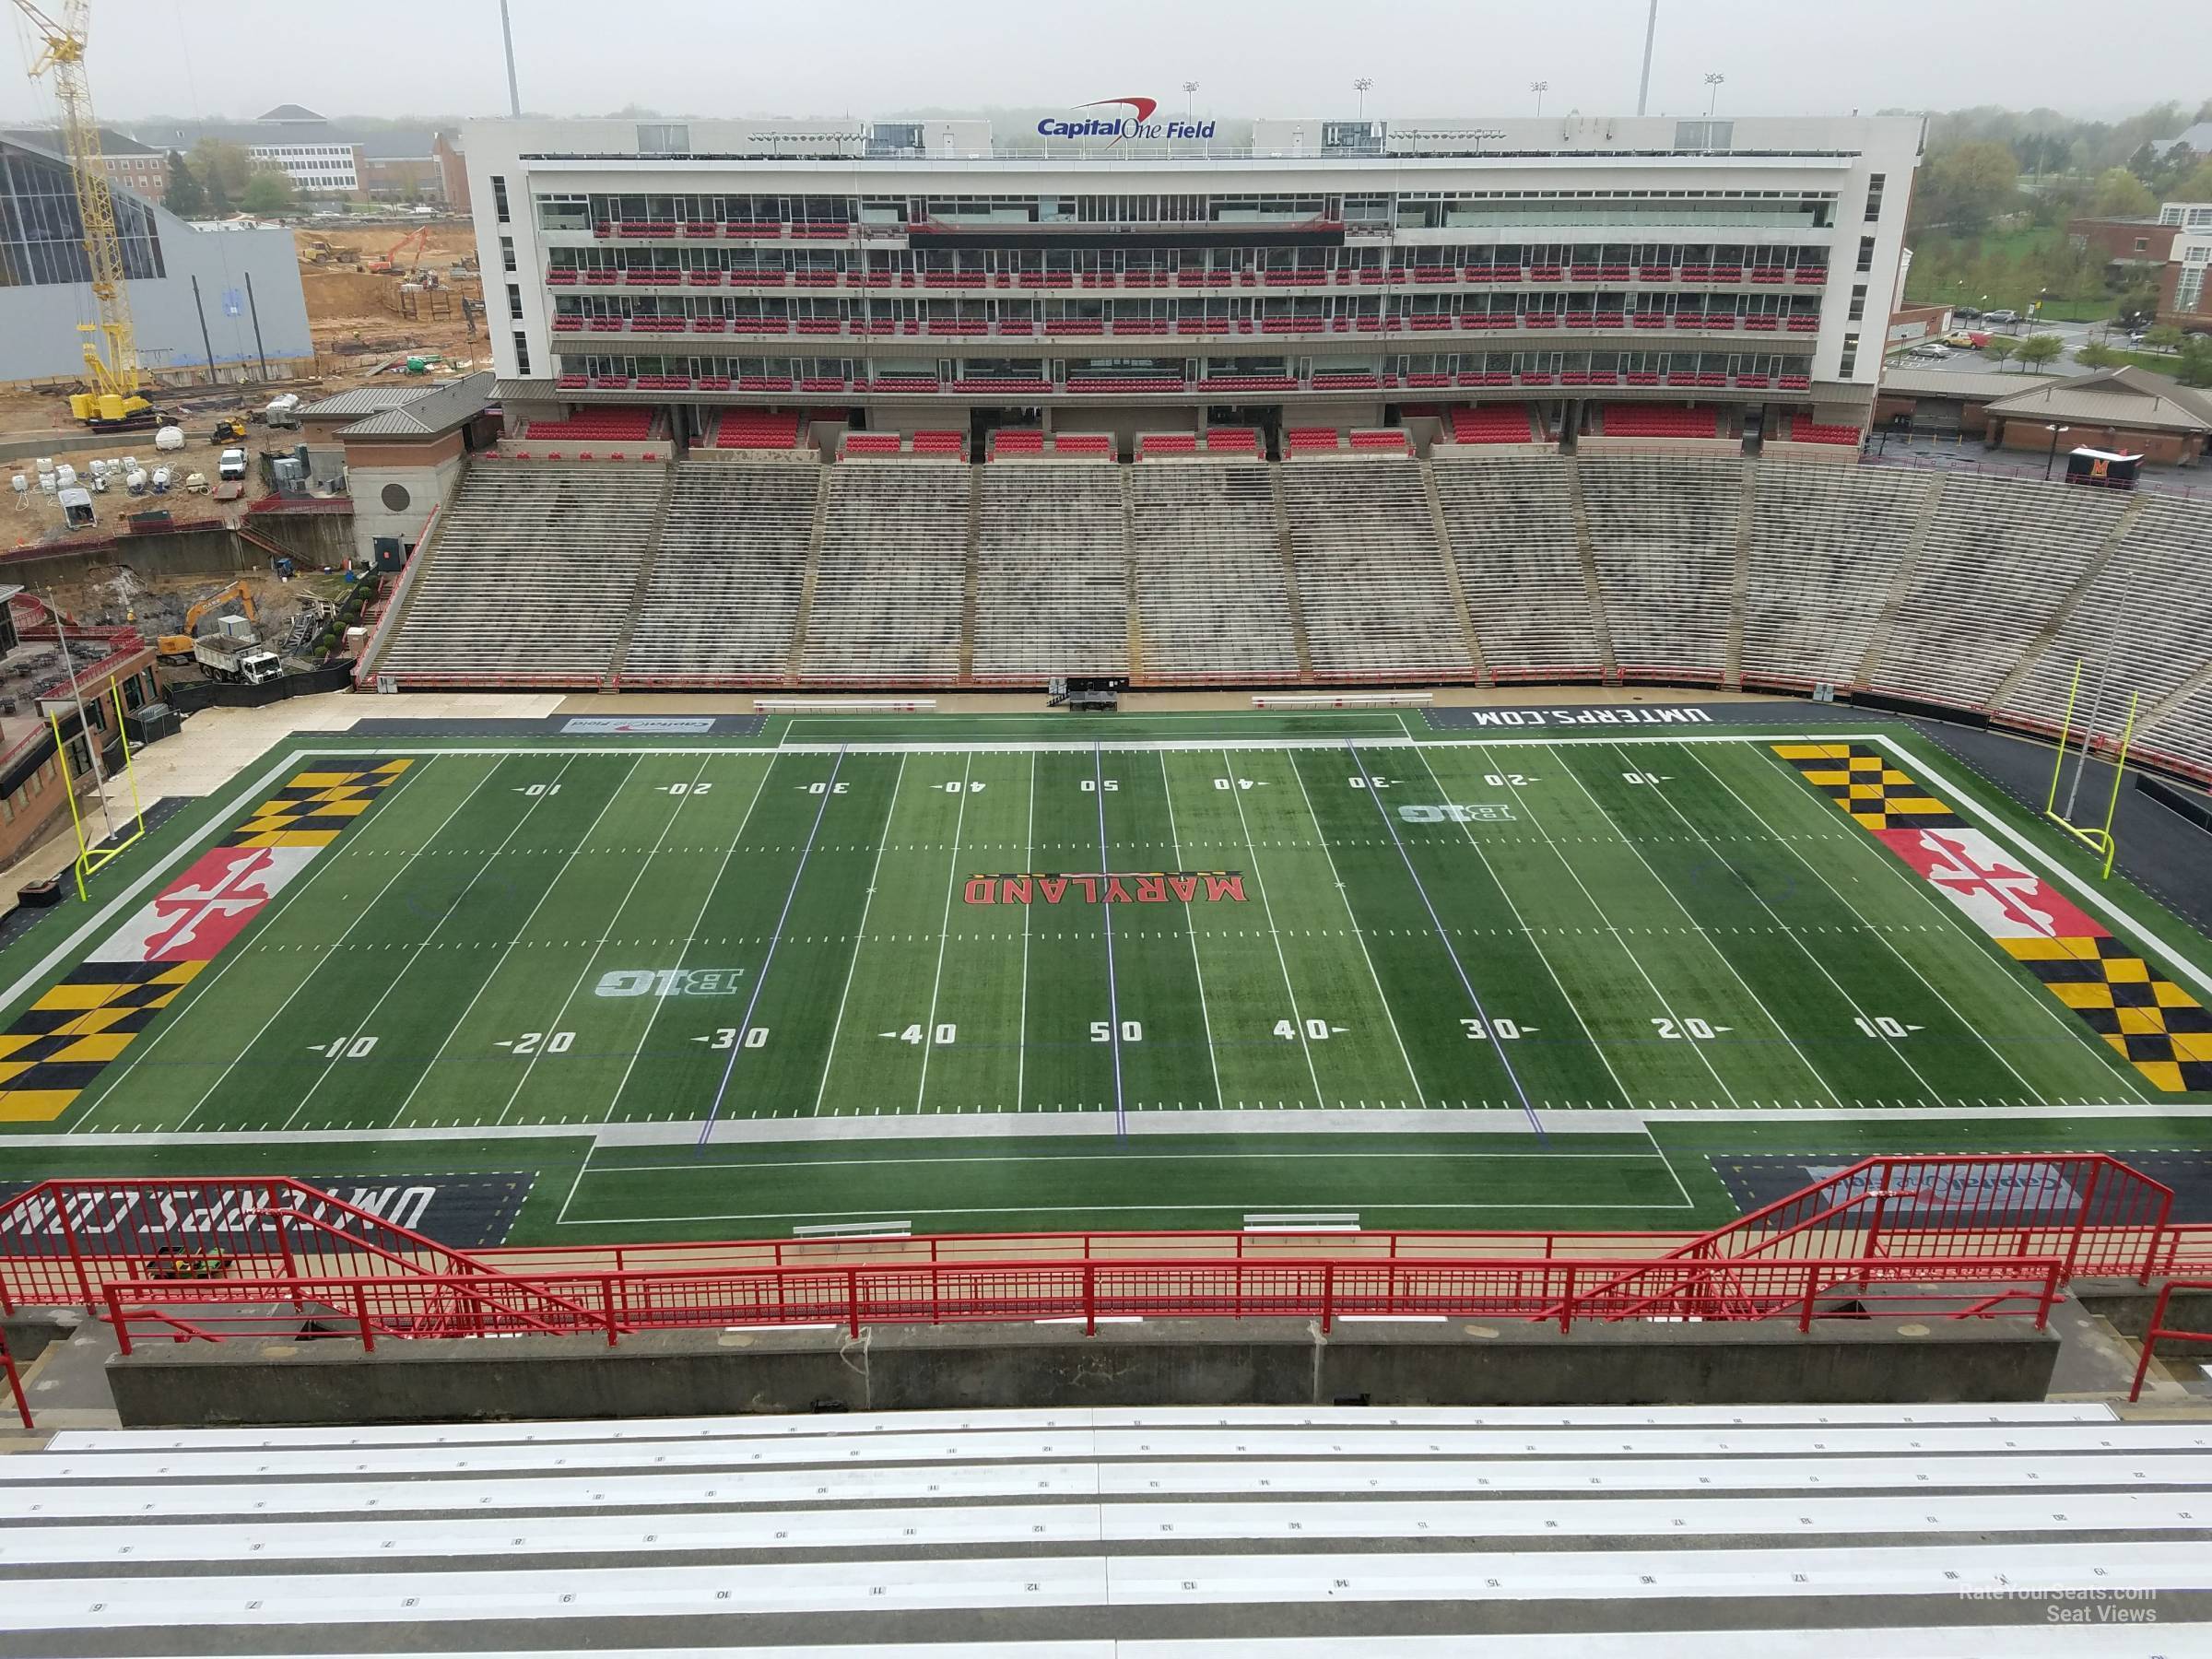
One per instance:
(117,381)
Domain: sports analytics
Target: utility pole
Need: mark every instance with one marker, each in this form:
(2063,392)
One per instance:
(1650,32)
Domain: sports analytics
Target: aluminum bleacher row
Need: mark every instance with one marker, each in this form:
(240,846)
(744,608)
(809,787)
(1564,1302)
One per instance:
(723,600)
(1743,1532)
(1336,567)
(537,569)
(1052,575)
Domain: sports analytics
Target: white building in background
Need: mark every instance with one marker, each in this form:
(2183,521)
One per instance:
(313,168)
(1120,253)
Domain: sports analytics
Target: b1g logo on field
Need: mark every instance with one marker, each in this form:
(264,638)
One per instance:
(1453,813)
(669,982)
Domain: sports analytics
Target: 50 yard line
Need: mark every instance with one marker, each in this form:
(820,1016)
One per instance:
(1113,1001)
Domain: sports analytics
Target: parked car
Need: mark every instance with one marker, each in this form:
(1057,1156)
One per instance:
(1964,313)
(1960,340)
(1929,350)
(2001,316)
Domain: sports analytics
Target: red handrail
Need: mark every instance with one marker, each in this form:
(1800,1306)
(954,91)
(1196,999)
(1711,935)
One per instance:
(2161,1331)
(855,1295)
(14,1383)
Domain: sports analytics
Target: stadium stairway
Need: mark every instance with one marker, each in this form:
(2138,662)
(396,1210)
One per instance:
(633,612)
(1748,1532)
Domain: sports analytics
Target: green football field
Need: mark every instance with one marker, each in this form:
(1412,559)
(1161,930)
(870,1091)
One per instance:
(994,980)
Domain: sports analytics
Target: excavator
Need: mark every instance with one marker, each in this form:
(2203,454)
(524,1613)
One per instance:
(177,647)
(387,263)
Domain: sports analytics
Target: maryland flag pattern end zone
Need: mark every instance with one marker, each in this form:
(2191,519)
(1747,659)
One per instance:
(55,1048)
(2159,1028)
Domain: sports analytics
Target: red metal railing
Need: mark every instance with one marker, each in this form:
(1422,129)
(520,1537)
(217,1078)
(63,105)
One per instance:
(62,1239)
(14,1383)
(613,1305)
(2160,1331)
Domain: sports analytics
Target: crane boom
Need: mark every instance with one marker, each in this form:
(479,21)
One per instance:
(115,374)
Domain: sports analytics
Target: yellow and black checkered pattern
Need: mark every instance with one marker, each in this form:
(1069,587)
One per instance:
(1866,783)
(2165,1032)
(313,807)
(57,1045)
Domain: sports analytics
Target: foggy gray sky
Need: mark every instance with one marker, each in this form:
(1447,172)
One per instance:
(234,58)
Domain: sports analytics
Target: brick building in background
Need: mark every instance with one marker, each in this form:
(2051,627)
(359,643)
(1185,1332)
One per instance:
(130,165)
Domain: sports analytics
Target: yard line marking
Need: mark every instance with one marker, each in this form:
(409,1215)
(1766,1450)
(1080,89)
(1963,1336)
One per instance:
(399,869)
(508,949)
(1029,855)
(1619,936)
(229,958)
(1702,933)
(391,984)
(1191,931)
(1955,920)
(1113,1000)
(644,863)
(1321,1100)
(952,875)
(1935,1094)
(1489,1025)
(1882,935)
(691,938)
(860,935)
(1511,906)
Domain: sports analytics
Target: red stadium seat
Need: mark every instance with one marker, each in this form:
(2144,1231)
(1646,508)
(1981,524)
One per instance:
(1492,423)
(1660,421)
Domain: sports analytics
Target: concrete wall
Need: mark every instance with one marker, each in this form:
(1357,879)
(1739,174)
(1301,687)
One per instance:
(38,325)
(314,538)
(330,1379)
(423,487)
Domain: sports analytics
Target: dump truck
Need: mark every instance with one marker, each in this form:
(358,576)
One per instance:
(235,651)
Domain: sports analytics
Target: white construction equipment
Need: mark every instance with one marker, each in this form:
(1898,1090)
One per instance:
(235,651)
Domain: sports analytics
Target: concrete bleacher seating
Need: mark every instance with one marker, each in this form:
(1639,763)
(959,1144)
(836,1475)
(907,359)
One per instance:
(888,597)
(1051,574)
(1370,575)
(2148,613)
(1658,421)
(531,575)
(1512,533)
(1663,530)
(1211,593)
(1827,543)
(723,595)
(1737,1532)
(1492,423)
(1998,557)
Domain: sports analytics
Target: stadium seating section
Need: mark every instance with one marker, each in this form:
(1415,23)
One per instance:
(1344,565)
(595,425)
(1658,1531)
(888,598)
(1801,429)
(1657,421)
(723,595)
(1492,423)
(1052,581)
(747,429)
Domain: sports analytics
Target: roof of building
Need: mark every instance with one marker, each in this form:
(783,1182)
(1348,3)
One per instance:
(312,129)
(368,400)
(112,143)
(1969,385)
(289,113)
(2198,138)
(445,407)
(2117,397)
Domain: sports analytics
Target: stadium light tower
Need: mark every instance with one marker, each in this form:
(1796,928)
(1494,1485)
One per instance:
(1539,89)
(1650,33)
(1190,103)
(1361,86)
(514,96)
(2050,460)
(1712,88)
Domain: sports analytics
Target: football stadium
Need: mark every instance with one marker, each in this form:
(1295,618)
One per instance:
(1159,897)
